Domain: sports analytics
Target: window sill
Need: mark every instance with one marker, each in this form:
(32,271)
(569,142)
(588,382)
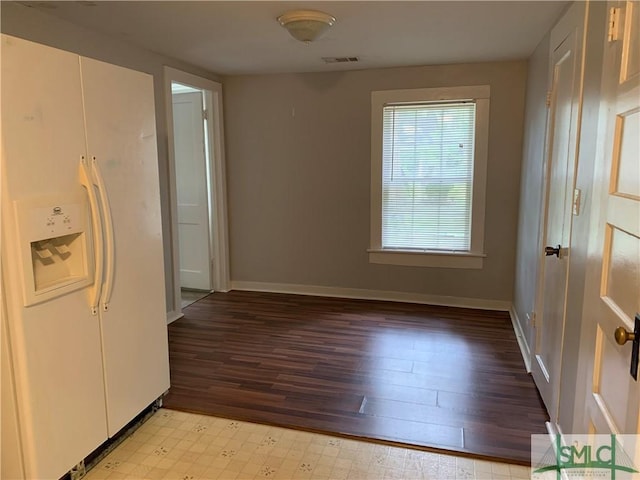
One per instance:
(427,258)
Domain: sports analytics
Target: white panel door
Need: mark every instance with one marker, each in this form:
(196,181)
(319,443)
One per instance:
(120,124)
(563,134)
(192,191)
(55,345)
(612,295)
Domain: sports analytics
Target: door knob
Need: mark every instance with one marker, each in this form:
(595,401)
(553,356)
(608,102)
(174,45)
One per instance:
(548,251)
(623,336)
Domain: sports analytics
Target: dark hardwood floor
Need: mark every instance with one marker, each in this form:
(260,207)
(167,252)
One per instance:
(433,377)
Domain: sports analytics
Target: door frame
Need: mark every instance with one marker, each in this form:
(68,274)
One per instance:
(218,224)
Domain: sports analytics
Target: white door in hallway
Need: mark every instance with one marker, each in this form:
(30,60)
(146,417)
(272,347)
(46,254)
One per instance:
(192,191)
(562,136)
(612,288)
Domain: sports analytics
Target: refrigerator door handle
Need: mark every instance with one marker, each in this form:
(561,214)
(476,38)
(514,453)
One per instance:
(98,241)
(108,233)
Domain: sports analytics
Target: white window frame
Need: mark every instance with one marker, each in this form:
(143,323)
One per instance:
(473,258)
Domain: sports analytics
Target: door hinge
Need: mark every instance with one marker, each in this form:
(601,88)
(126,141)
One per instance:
(205,114)
(614,20)
(532,318)
(548,100)
(577,201)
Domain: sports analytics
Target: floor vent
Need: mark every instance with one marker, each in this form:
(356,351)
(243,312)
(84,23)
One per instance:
(340,59)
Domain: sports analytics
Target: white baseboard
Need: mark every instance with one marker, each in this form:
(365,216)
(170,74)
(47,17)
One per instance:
(173,316)
(522,341)
(364,294)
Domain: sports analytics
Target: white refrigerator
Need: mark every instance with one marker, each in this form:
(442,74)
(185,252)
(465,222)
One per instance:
(84,336)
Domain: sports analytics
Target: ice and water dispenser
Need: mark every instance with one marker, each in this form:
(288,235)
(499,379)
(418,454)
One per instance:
(55,244)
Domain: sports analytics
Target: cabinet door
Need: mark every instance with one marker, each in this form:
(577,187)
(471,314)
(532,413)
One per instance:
(55,345)
(120,122)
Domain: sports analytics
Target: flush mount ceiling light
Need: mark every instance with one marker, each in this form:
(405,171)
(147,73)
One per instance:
(306,25)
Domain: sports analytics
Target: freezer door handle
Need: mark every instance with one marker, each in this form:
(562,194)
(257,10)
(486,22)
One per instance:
(98,241)
(108,233)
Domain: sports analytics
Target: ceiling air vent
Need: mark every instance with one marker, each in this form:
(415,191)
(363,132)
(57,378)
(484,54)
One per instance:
(38,5)
(339,59)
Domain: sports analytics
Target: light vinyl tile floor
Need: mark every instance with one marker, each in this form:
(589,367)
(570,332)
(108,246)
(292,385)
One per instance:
(184,446)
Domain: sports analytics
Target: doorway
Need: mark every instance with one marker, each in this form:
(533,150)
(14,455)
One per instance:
(198,193)
(191,146)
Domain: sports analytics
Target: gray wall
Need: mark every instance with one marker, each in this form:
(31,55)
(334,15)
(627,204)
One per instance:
(298,159)
(33,24)
(531,185)
(573,388)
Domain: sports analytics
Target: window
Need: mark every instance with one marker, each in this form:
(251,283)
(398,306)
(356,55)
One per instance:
(429,152)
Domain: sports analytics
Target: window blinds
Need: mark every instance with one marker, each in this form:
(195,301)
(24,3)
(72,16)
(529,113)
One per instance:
(427,176)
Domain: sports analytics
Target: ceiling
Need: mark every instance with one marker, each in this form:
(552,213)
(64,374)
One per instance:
(243,37)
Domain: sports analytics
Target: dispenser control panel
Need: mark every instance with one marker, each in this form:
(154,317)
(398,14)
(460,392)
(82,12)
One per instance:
(56,220)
